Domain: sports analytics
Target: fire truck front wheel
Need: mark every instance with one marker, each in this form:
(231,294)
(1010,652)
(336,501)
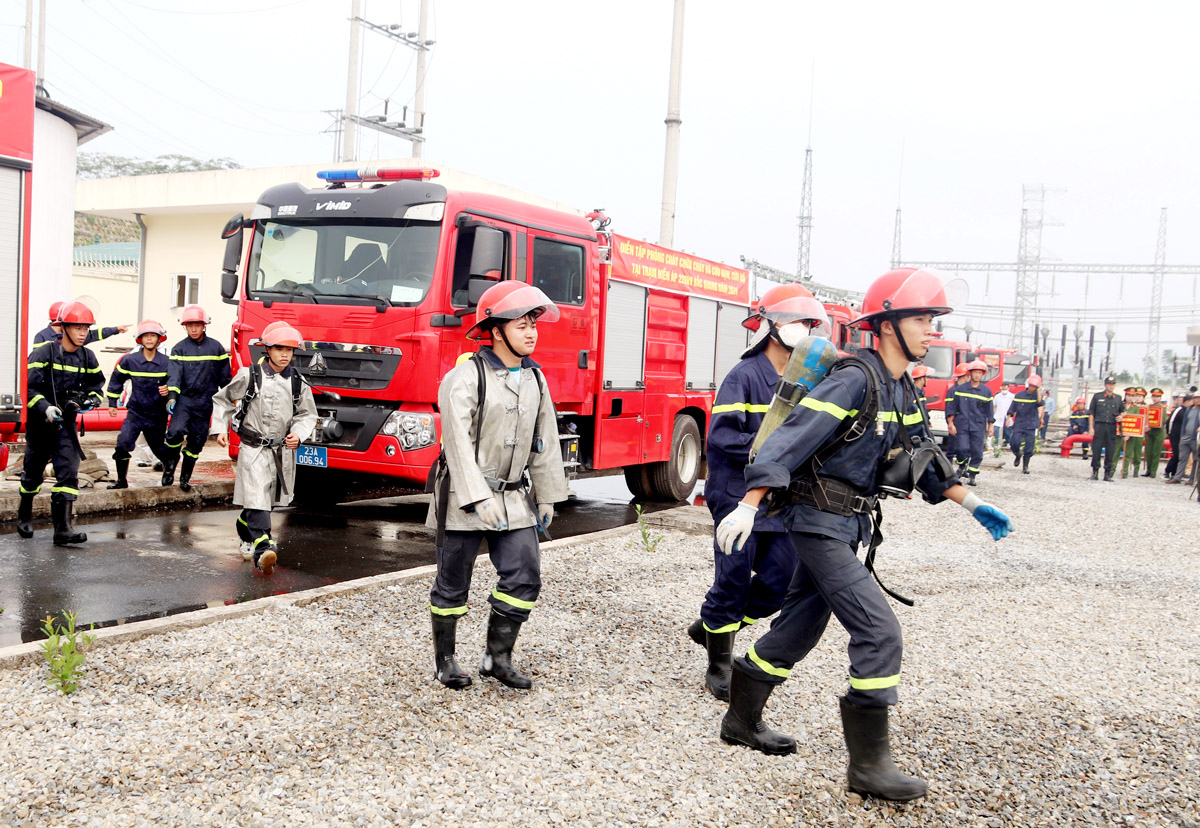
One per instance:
(674,478)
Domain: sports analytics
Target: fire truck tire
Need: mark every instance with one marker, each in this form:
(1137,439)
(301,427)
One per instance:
(675,478)
(637,478)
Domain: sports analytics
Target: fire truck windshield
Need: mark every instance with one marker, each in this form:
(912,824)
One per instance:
(940,361)
(393,262)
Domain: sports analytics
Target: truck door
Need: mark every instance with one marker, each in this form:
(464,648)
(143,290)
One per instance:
(566,349)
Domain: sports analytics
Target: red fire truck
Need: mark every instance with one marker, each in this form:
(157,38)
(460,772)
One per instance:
(941,358)
(16,189)
(382,269)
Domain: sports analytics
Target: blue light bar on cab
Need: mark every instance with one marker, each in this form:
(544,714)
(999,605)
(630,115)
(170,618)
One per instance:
(379,174)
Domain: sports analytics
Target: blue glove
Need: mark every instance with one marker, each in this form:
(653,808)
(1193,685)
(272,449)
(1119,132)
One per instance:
(488,511)
(733,531)
(545,515)
(171,406)
(988,515)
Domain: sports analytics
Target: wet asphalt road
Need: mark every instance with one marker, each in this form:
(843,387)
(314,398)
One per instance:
(139,567)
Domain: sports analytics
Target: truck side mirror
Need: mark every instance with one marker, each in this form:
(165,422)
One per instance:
(476,286)
(233,256)
(233,226)
(487,252)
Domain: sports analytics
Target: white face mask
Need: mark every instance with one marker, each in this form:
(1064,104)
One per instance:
(793,334)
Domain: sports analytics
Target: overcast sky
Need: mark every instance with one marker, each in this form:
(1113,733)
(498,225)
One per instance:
(945,109)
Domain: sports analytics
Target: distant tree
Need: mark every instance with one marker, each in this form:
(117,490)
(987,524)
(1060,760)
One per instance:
(1168,362)
(103,165)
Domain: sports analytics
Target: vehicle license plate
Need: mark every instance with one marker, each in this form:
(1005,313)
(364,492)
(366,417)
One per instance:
(312,456)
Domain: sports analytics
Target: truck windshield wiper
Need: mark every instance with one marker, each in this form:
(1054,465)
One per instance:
(355,298)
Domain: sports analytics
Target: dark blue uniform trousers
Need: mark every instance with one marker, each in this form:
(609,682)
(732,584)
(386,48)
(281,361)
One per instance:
(830,578)
(1023,436)
(749,584)
(45,442)
(970,447)
(135,424)
(190,419)
(518,562)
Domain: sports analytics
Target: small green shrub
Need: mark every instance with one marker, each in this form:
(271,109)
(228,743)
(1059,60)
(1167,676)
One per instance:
(64,650)
(649,539)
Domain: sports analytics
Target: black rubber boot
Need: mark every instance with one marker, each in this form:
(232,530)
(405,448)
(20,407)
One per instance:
(971,480)
(743,724)
(872,771)
(169,464)
(1016,459)
(447,670)
(720,662)
(122,474)
(185,472)
(64,535)
(1095,474)
(1108,476)
(25,516)
(1025,466)
(695,632)
(497,661)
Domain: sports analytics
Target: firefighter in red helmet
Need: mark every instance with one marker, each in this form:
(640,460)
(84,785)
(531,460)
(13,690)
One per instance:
(851,440)
(64,379)
(750,584)
(146,406)
(971,419)
(198,368)
(54,331)
(498,478)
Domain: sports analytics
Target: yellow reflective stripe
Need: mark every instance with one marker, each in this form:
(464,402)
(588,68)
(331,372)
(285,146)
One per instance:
(974,396)
(874,683)
(173,388)
(211,358)
(33,365)
(259,540)
(34,400)
(973,469)
(29,491)
(448,611)
(508,599)
(175,445)
(766,666)
(189,454)
(242,521)
(747,621)
(828,408)
(65,490)
(909,419)
(71,369)
(141,373)
(113,394)
(734,627)
(748,407)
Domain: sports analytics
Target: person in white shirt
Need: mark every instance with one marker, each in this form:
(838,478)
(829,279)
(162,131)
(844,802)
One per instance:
(1002,402)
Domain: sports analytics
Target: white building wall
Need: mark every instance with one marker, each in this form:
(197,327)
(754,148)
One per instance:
(117,297)
(52,214)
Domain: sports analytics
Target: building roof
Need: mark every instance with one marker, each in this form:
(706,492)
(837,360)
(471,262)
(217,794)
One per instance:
(86,127)
(108,254)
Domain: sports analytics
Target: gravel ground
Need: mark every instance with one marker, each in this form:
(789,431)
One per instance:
(1049,679)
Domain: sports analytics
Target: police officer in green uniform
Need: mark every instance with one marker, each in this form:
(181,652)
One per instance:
(1155,434)
(1103,413)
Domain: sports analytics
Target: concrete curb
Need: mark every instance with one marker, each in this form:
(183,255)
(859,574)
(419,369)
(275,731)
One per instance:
(95,501)
(30,652)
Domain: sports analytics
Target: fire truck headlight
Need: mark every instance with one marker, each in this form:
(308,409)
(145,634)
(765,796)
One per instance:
(413,430)
(408,441)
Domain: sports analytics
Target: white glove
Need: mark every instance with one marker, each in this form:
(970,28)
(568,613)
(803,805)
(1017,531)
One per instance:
(735,528)
(488,511)
(545,515)
(54,414)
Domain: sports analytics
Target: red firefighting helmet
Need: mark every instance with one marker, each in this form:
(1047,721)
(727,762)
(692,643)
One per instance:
(771,300)
(977,365)
(195,313)
(511,300)
(76,313)
(55,310)
(148,327)
(281,333)
(1034,381)
(920,371)
(908,291)
(1080,401)
(961,369)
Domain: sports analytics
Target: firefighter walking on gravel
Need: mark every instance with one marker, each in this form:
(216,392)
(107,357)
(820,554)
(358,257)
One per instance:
(198,368)
(750,583)
(64,379)
(971,419)
(858,434)
(271,409)
(1026,412)
(499,476)
(146,407)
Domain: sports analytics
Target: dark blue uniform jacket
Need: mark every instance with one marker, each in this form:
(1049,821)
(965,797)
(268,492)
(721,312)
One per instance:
(53,372)
(973,408)
(815,421)
(144,376)
(1026,411)
(197,370)
(742,401)
(48,334)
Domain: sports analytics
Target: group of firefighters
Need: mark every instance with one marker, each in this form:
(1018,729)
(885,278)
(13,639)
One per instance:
(170,404)
(789,521)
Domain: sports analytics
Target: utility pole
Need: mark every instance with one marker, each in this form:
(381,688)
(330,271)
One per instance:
(806,220)
(28,34)
(419,101)
(666,231)
(349,148)
(896,242)
(1156,292)
(41,54)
